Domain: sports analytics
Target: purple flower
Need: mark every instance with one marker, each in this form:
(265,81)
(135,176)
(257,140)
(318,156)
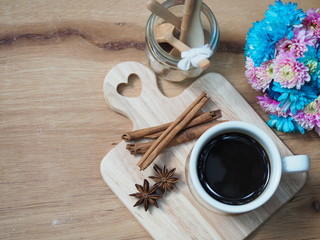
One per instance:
(309,118)
(312,21)
(259,77)
(271,106)
(289,72)
(298,44)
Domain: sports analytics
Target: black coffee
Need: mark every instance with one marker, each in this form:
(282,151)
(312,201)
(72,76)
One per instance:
(233,168)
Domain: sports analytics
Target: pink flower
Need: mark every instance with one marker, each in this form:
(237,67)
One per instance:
(308,121)
(312,21)
(259,77)
(271,106)
(251,74)
(289,72)
(309,118)
(298,44)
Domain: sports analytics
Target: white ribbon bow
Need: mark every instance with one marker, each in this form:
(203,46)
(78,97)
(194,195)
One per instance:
(193,56)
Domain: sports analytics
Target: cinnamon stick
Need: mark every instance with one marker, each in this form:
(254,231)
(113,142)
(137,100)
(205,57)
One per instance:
(201,119)
(182,137)
(171,131)
(155,132)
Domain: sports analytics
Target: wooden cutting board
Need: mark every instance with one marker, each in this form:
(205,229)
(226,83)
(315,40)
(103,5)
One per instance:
(179,215)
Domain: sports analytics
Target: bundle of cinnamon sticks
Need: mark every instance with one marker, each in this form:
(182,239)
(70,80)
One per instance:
(188,126)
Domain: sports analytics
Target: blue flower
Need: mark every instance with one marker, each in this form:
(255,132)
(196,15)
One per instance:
(284,124)
(260,45)
(311,59)
(293,99)
(283,17)
(271,93)
(278,22)
(316,81)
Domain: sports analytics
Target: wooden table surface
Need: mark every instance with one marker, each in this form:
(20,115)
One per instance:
(56,127)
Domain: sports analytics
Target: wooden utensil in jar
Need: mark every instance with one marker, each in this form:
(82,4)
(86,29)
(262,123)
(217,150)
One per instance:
(164,33)
(164,13)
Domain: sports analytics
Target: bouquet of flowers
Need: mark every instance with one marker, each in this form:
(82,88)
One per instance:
(283,62)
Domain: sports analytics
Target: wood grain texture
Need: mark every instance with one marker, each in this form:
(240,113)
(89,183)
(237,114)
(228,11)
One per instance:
(56,127)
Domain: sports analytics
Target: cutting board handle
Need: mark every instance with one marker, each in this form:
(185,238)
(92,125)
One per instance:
(128,105)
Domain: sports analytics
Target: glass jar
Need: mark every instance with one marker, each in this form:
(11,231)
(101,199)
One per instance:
(161,62)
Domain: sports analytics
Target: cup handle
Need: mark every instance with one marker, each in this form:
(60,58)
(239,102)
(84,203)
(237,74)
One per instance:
(296,163)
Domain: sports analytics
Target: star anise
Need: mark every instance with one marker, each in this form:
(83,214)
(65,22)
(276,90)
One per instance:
(147,195)
(164,178)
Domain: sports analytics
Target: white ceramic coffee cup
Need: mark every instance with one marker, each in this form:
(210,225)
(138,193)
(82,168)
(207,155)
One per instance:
(278,165)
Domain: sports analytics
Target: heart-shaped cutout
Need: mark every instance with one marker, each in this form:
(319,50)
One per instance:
(131,89)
